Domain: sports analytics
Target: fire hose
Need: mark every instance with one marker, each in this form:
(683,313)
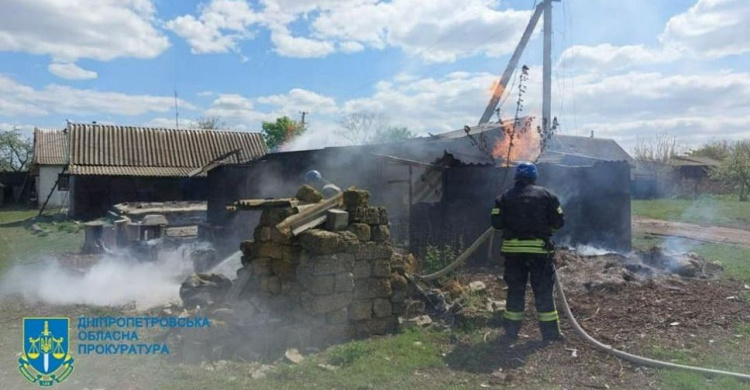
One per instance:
(578,329)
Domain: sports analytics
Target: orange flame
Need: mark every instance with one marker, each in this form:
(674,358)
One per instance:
(525,144)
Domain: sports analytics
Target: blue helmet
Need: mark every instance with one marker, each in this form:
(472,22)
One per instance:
(313,176)
(527,171)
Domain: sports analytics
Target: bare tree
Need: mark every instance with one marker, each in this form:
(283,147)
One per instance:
(653,154)
(362,127)
(209,123)
(658,148)
(15,150)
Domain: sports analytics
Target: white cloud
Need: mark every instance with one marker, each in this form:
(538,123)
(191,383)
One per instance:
(301,100)
(710,29)
(299,47)
(21,100)
(437,31)
(71,71)
(219,27)
(607,57)
(69,30)
(351,47)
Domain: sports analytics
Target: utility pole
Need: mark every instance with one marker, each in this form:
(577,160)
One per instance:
(176,112)
(547,68)
(303,117)
(503,83)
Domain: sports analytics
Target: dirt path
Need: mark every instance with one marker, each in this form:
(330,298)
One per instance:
(695,232)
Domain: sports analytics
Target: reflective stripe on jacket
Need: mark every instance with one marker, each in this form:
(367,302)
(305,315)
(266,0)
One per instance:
(535,245)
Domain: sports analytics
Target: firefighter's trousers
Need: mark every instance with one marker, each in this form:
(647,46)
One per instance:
(518,268)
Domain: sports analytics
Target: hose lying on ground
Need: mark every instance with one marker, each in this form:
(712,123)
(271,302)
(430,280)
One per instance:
(462,258)
(579,330)
(627,356)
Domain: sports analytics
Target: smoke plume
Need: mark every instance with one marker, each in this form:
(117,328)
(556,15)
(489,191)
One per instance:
(112,281)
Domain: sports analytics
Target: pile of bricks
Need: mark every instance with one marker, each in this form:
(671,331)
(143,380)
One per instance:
(333,283)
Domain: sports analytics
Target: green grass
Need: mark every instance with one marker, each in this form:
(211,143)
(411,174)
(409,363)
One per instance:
(724,358)
(714,210)
(734,259)
(19,243)
(383,363)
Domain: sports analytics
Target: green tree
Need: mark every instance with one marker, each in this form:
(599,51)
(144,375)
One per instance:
(392,134)
(15,150)
(735,168)
(282,131)
(717,150)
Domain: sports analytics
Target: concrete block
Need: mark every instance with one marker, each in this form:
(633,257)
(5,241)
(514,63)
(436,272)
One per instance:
(368,215)
(381,233)
(360,310)
(340,316)
(362,230)
(320,284)
(349,242)
(308,194)
(381,268)
(362,269)
(327,264)
(356,199)
(320,242)
(382,308)
(372,288)
(345,282)
(374,251)
(325,303)
(336,220)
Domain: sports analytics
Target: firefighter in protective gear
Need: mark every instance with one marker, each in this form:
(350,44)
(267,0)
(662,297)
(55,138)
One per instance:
(528,215)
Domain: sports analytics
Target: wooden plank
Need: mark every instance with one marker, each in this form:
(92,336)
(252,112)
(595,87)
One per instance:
(257,204)
(315,222)
(312,212)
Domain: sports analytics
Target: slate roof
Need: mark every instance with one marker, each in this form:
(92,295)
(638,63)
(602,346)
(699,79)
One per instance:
(694,161)
(50,147)
(139,151)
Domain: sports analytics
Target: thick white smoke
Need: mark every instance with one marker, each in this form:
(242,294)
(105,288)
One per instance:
(112,281)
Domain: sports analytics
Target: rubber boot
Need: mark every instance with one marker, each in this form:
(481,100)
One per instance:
(550,331)
(511,329)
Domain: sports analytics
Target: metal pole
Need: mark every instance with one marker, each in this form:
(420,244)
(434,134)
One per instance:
(547,71)
(411,201)
(500,87)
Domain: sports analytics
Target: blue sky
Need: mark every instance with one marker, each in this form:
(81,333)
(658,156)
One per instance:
(624,69)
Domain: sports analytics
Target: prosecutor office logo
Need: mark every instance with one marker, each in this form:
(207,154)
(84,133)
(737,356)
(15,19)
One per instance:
(46,357)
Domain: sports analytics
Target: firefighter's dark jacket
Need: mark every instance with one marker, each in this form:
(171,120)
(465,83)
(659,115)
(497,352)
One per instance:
(528,215)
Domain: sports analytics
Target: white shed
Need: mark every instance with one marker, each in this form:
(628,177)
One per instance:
(50,159)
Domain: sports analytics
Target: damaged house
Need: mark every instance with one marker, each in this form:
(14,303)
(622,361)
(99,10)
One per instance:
(105,165)
(439,189)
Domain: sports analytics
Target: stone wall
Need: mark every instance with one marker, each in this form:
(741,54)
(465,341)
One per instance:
(333,283)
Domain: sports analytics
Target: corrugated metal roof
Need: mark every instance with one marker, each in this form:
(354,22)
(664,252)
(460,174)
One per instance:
(124,146)
(130,171)
(50,147)
(694,161)
(596,148)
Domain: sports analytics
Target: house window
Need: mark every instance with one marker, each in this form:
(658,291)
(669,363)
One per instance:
(63,181)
